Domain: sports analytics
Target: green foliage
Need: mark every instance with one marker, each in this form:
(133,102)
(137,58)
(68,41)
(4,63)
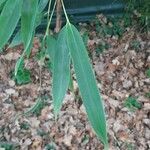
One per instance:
(48,63)
(42,5)
(64,51)
(132,104)
(61,70)
(85,38)
(51,46)
(136,45)
(39,55)
(22,77)
(109,26)
(148,73)
(86,80)
(147,95)
(25,126)
(51,146)
(36,108)
(2,3)
(9,18)
(140,12)
(102,47)
(17,40)
(28,19)
(8,146)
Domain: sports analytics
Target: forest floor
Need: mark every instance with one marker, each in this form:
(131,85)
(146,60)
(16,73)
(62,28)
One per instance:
(121,61)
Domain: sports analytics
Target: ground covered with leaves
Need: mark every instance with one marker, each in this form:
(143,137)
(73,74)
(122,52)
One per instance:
(121,60)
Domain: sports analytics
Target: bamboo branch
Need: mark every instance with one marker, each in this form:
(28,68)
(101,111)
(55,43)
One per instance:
(58,16)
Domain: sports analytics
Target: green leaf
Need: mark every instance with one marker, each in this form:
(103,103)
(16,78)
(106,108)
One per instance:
(28,50)
(8,145)
(132,104)
(23,76)
(2,2)
(51,46)
(61,71)
(19,64)
(36,108)
(40,14)
(42,5)
(28,20)
(87,83)
(8,20)
(17,40)
(148,73)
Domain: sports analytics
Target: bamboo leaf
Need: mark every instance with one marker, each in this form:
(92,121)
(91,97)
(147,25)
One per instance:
(42,5)
(8,20)
(2,2)
(51,47)
(16,40)
(61,71)
(19,64)
(28,20)
(87,83)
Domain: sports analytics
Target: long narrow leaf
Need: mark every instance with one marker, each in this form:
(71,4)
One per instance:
(2,2)
(19,63)
(28,20)
(8,20)
(42,5)
(87,83)
(17,40)
(61,71)
(51,47)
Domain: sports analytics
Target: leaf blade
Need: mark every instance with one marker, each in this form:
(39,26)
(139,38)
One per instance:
(2,2)
(86,80)
(16,40)
(42,5)
(51,46)
(61,71)
(8,20)
(28,20)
